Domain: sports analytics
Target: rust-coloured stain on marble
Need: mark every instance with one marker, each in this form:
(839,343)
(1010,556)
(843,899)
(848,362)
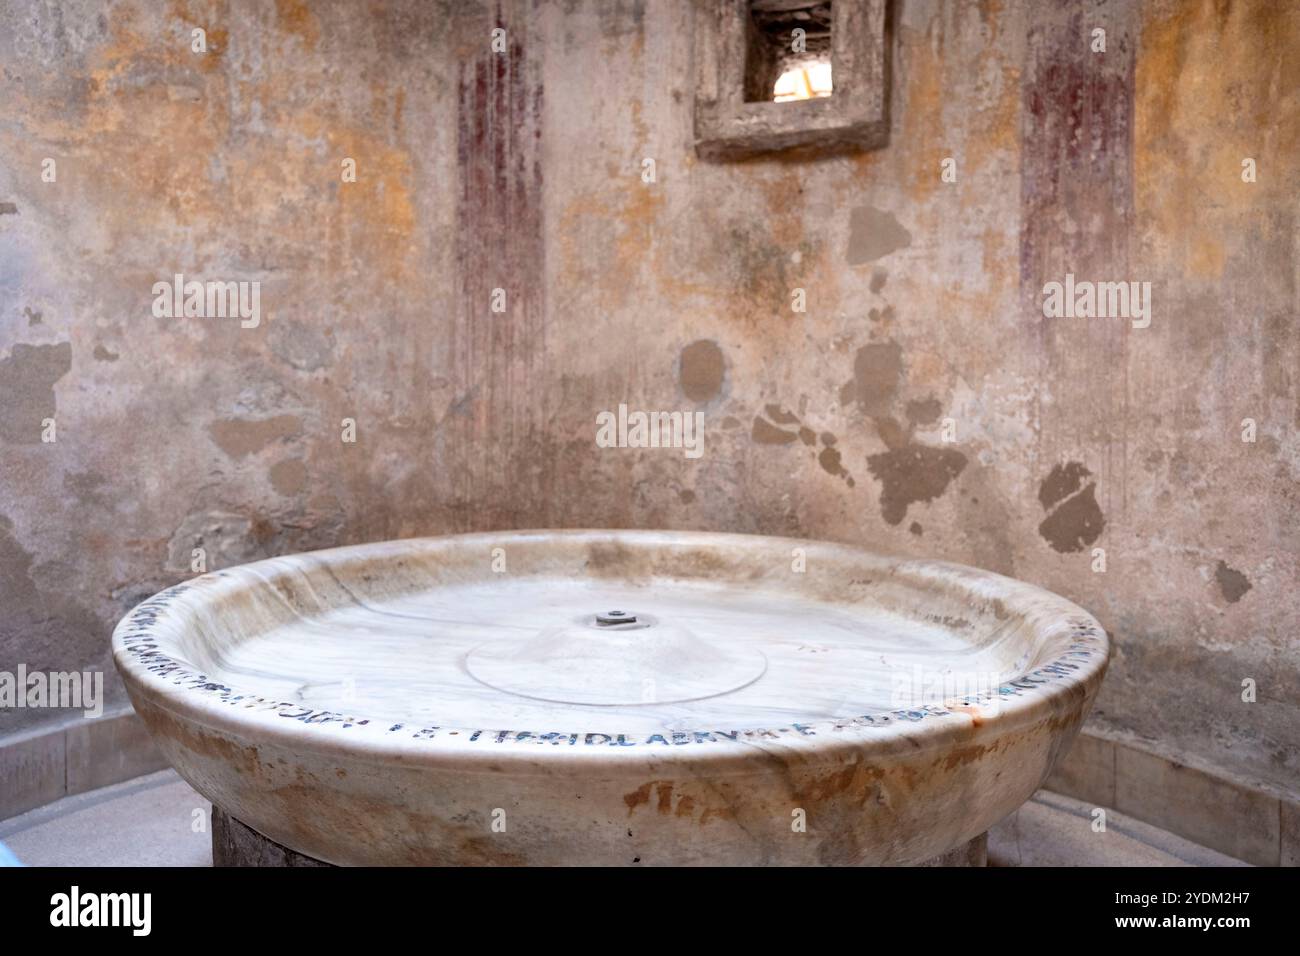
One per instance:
(639,796)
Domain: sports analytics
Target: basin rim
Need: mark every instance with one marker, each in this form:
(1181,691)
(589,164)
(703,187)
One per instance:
(1058,686)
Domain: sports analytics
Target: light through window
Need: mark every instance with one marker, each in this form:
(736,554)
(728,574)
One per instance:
(803,82)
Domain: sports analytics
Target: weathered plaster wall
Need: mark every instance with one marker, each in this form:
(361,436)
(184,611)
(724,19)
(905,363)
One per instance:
(522,172)
(177,433)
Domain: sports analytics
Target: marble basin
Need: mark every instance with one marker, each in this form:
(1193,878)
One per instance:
(611,697)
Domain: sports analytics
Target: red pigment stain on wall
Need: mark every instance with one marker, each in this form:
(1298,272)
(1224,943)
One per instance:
(1076,152)
(1076,216)
(497,421)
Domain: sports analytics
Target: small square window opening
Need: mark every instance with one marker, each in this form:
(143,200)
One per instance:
(788,50)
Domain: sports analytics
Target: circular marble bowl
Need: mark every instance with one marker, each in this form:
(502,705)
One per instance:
(611,697)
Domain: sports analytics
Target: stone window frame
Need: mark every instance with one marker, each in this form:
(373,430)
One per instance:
(853,118)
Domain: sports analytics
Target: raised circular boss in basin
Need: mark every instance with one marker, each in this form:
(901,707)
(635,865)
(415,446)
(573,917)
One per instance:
(611,697)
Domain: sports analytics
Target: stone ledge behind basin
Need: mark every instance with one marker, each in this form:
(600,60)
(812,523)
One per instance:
(1246,819)
(72,757)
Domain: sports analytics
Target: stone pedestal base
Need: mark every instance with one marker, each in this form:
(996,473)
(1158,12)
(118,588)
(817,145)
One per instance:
(234,844)
(974,853)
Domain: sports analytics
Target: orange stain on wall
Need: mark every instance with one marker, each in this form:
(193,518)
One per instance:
(1194,124)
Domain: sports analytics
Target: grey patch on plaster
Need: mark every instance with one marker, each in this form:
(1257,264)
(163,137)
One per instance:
(1077,520)
(301,345)
(913,473)
(239,437)
(830,461)
(1232,582)
(226,538)
(90,488)
(27,380)
(780,415)
(877,369)
(874,234)
(701,370)
(924,412)
(765,433)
